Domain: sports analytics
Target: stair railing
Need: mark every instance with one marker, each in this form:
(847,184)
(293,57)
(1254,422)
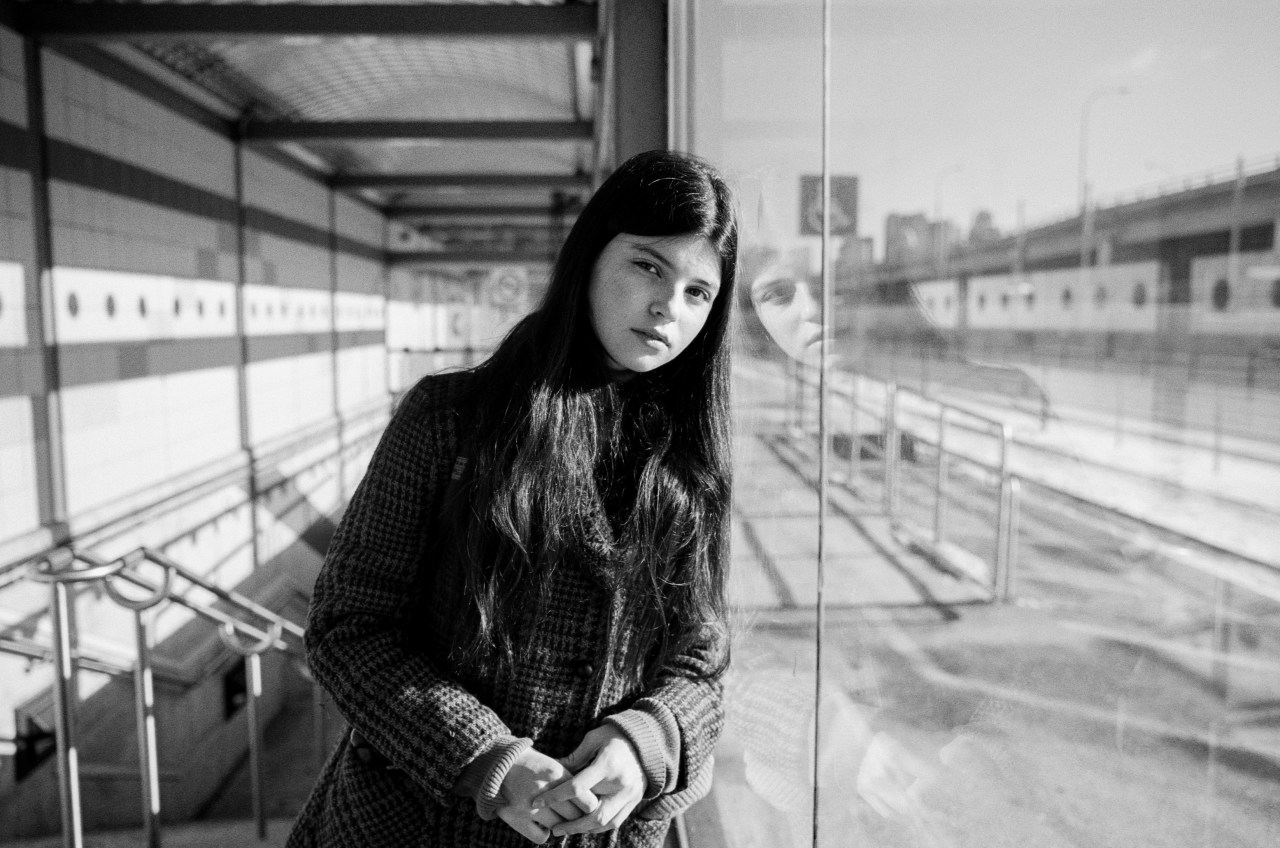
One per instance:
(68,565)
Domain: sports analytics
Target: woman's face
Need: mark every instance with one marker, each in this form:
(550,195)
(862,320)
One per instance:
(789,310)
(650,297)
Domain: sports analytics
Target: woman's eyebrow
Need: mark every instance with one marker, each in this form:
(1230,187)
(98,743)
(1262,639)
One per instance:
(662,259)
(654,253)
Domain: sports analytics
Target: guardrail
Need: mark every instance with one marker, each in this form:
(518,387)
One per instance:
(935,544)
(1246,572)
(933,541)
(70,565)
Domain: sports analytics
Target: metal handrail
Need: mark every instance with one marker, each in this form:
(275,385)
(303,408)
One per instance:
(936,542)
(1011,484)
(228,595)
(67,565)
(36,651)
(210,613)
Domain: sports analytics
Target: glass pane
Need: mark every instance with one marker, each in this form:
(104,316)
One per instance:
(756,113)
(1052,606)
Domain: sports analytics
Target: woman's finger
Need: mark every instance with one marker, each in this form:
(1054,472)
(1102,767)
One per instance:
(549,817)
(576,790)
(580,755)
(595,822)
(573,809)
(525,826)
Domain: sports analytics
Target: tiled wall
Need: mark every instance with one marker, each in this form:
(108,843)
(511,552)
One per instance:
(155,339)
(21,372)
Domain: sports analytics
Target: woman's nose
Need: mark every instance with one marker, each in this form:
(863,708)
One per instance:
(806,303)
(663,304)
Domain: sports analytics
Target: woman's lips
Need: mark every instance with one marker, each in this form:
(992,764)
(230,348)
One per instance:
(652,338)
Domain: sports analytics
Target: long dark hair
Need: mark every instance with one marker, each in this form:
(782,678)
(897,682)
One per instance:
(555,442)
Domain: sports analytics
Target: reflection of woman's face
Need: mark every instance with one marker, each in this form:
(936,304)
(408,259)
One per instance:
(789,310)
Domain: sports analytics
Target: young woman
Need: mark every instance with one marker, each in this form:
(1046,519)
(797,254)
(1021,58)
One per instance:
(522,615)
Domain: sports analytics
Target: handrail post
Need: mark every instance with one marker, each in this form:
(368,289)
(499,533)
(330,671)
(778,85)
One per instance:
(1222,638)
(144,695)
(890,448)
(59,571)
(855,442)
(940,487)
(1000,587)
(253,686)
(64,718)
(1010,547)
(145,714)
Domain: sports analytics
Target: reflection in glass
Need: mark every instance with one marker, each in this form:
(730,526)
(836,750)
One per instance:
(789,306)
(1052,567)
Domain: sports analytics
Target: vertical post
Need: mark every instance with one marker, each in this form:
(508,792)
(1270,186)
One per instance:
(253,689)
(336,337)
(1233,238)
(639,80)
(890,448)
(253,681)
(46,412)
(855,439)
(1011,539)
(242,367)
(1221,637)
(144,708)
(940,487)
(1003,513)
(64,716)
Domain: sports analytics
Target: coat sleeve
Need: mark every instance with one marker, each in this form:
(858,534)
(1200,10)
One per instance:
(675,726)
(419,718)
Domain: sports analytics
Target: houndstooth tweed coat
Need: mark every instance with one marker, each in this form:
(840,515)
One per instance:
(378,630)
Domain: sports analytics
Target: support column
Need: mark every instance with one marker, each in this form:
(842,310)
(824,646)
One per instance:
(242,368)
(335,339)
(46,410)
(638,39)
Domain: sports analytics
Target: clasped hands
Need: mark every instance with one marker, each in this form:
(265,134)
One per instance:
(592,790)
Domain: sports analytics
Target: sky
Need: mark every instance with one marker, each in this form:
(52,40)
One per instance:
(951,106)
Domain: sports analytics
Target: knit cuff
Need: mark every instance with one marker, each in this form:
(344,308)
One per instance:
(656,738)
(482,779)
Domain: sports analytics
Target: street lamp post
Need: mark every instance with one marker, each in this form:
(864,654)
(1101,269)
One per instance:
(942,246)
(1086,216)
(1093,97)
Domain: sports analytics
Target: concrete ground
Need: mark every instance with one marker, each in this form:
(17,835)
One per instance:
(1116,700)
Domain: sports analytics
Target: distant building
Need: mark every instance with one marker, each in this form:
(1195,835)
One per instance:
(984,229)
(907,238)
(915,238)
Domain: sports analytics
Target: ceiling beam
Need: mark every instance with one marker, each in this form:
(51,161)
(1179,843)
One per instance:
(273,132)
(547,181)
(195,21)
(467,257)
(524,211)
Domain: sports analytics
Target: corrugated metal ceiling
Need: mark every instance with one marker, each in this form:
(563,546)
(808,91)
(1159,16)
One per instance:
(498,100)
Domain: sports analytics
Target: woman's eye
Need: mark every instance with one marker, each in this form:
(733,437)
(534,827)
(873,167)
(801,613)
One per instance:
(700,295)
(780,295)
(647,267)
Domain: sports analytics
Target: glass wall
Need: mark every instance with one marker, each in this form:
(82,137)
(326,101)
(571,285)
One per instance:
(1006,559)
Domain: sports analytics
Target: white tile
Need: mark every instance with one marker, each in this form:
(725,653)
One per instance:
(13,305)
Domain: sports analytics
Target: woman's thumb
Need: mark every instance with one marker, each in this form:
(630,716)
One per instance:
(579,758)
